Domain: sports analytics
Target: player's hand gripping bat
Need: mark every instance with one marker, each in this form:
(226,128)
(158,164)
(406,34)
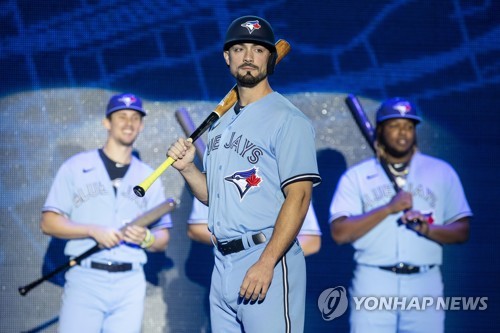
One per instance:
(368,132)
(187,125)
(282,48)
(143,220)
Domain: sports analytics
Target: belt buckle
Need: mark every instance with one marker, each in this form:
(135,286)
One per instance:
(259,238)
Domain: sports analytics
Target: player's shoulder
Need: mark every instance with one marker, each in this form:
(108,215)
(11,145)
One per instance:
(84,157)
(138,163)
(436,164)
(430,161)
(282,104)
(366,164)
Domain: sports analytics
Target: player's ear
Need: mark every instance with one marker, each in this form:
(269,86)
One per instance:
(226,57)
(106,123)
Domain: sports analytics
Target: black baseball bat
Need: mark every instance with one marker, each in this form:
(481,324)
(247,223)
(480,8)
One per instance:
(143,220)
(368,132)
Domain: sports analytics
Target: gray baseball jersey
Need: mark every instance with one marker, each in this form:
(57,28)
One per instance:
(83,192)
(199,215)
(250,158)
(437,192)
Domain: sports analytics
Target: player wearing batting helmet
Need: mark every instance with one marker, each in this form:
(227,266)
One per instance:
(259,171)
(396,259)
(90,203)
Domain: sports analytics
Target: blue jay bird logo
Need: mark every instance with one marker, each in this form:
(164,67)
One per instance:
(128,100)
(251,26)
(244,180)
(403,108)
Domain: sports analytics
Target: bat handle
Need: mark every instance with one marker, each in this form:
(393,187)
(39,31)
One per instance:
(140,190)
(26,289)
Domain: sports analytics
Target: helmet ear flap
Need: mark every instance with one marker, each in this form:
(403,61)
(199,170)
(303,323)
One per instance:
(271,63)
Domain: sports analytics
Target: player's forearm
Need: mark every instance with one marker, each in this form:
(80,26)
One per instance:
(289,222)
(197,182)
(54,224)
(349,229)
(456,232)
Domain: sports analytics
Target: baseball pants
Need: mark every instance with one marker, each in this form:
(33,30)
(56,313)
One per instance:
(96,301)
(369,281)
(282,310)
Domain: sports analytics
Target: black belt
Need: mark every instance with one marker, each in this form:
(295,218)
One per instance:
(236,245)
(403,268)
(112,267)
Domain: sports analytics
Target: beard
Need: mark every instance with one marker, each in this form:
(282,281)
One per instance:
(396,153)
(248,80)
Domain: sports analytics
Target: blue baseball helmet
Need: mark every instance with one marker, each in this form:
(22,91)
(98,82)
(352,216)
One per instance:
(125,101)
(252,29)
(397,107)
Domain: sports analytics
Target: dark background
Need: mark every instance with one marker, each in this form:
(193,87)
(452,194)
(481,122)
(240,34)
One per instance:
(60,60)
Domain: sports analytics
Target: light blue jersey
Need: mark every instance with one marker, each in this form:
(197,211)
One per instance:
(83,192)
(250,158)
(199,215)
(437,192)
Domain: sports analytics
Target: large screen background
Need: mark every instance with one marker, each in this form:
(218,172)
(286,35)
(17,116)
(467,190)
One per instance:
(61,61)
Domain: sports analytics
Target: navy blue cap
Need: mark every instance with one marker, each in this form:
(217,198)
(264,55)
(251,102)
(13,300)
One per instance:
(397,107)
(124,101)
(250,29)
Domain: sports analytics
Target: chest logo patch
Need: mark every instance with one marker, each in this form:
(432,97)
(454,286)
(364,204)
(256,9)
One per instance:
(244,180)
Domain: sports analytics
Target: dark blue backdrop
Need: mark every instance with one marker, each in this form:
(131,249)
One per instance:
(444,55)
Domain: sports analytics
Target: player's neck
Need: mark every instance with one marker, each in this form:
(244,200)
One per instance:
(118,153)
(249,95)
(400,159)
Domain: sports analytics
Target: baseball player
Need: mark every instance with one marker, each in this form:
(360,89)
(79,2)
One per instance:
(396,258)
(90,200)
(309,236)
(260,168)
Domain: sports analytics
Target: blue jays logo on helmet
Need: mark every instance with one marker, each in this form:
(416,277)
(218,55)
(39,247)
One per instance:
(397,107)
(251,25)
(244,180)
(125,101)
(403,107)
(128,100)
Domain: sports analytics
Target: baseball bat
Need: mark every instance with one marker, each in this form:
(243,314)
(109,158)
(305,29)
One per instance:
(187,125)
(282,49)
(368,132)
(143,220)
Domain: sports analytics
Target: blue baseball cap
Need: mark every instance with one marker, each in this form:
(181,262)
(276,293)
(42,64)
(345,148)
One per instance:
(397,107)
(124,101)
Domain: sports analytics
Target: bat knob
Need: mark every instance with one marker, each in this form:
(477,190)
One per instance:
(23,291)
(139,191)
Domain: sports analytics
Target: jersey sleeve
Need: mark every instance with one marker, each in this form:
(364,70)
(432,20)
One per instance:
(199,213)
(296,152)
(346,200)
(456,203)
(59,199)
